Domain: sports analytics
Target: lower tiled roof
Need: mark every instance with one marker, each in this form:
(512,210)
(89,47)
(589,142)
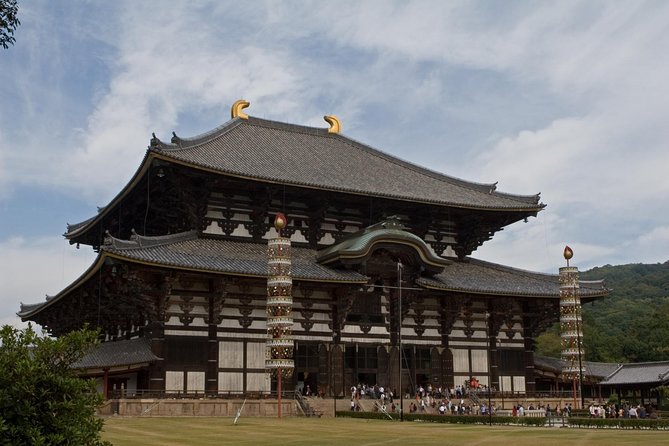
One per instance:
(640,373)
(591,369)
(477,276)
(190,251)
(118,353)
(186,250)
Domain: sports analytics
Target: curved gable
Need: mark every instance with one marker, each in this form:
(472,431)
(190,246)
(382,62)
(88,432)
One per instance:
(356,248)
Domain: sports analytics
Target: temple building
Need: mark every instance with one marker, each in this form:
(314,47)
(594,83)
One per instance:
(380,261)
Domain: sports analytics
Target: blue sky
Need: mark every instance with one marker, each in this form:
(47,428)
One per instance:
(564,98)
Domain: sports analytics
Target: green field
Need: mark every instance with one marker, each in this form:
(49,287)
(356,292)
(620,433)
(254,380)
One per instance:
(198,431)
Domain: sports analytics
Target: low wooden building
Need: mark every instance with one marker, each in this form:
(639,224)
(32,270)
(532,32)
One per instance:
(380,259)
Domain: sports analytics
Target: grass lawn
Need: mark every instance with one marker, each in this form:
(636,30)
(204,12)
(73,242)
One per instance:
(198,431)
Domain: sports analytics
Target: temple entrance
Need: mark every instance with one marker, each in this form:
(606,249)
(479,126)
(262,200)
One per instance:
(306,368)
(367,378)
(422,379)
(307,383)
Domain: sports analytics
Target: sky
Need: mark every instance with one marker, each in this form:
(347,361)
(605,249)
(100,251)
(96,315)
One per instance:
(569,99)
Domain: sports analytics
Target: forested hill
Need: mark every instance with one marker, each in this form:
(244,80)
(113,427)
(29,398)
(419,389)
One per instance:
(631,325)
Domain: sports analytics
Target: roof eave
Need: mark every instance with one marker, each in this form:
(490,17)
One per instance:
(529,211)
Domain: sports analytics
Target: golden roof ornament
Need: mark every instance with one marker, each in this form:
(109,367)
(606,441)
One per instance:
(237,107)
(280,221)
(335,124)
(568,254)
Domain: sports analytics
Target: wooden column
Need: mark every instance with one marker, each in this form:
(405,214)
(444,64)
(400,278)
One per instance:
(530,384)
(157,371)
(211,373)
(393,369)
(337,370)
(105,384)
(216,301)
(157,334)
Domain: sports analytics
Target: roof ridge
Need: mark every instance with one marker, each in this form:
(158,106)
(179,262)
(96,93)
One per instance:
(179,143)
(144,241)
(501,267)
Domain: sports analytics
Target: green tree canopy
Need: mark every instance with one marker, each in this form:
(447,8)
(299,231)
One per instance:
(9,21)
(42,400)
(631,325)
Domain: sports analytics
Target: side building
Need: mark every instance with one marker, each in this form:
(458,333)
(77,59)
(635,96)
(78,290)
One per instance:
(380,261)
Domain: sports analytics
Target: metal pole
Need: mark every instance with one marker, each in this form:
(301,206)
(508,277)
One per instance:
(487,330)
(580,364)
(399,335)
(278,390)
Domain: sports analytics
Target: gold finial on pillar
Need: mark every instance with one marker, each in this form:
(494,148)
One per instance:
(568,254)
(237,107)
(335,124)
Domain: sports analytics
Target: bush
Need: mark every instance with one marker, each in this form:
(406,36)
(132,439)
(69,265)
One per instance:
(42,401)
(451,419)
(619,423)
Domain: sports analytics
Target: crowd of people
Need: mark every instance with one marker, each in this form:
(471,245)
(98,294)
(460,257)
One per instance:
(454,401)
(467,400)
(624,410)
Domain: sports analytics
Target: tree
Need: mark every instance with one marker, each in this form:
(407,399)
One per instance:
(42,400)
(9,21)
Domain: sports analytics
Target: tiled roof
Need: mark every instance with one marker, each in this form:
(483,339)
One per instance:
(477,276)
(307,156)
(640,373)
(600,369)
(597,370)
(548,363)
(186,250)
(118,353)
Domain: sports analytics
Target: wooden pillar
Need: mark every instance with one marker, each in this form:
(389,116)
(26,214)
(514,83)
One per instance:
(393,369)
(383,371)
(322,383)
(211,373)
(494,363)
(105,384)
(157,371)
(336,371)
(530,384)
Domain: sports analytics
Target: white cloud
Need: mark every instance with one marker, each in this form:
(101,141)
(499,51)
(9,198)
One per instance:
(568,99)
(538,246)
(31,268)
(652,246)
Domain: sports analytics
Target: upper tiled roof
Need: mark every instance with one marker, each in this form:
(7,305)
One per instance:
(307,156)
(118,353)
(640,373)
(477,276)
(301,156)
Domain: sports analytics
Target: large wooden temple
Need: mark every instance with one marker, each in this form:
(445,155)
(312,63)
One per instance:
(380,260)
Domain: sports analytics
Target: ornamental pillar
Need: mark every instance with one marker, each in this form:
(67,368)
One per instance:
(571,325)
(279,354)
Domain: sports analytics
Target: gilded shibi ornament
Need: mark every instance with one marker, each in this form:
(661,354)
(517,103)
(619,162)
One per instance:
(570,319)
(279,346)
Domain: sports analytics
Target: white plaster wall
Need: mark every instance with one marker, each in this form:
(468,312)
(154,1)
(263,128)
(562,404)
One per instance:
(195,381)
(230,382)
(258,382)
(174,381)
(460,360)
(479,361)
(255,355)
(230,354)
